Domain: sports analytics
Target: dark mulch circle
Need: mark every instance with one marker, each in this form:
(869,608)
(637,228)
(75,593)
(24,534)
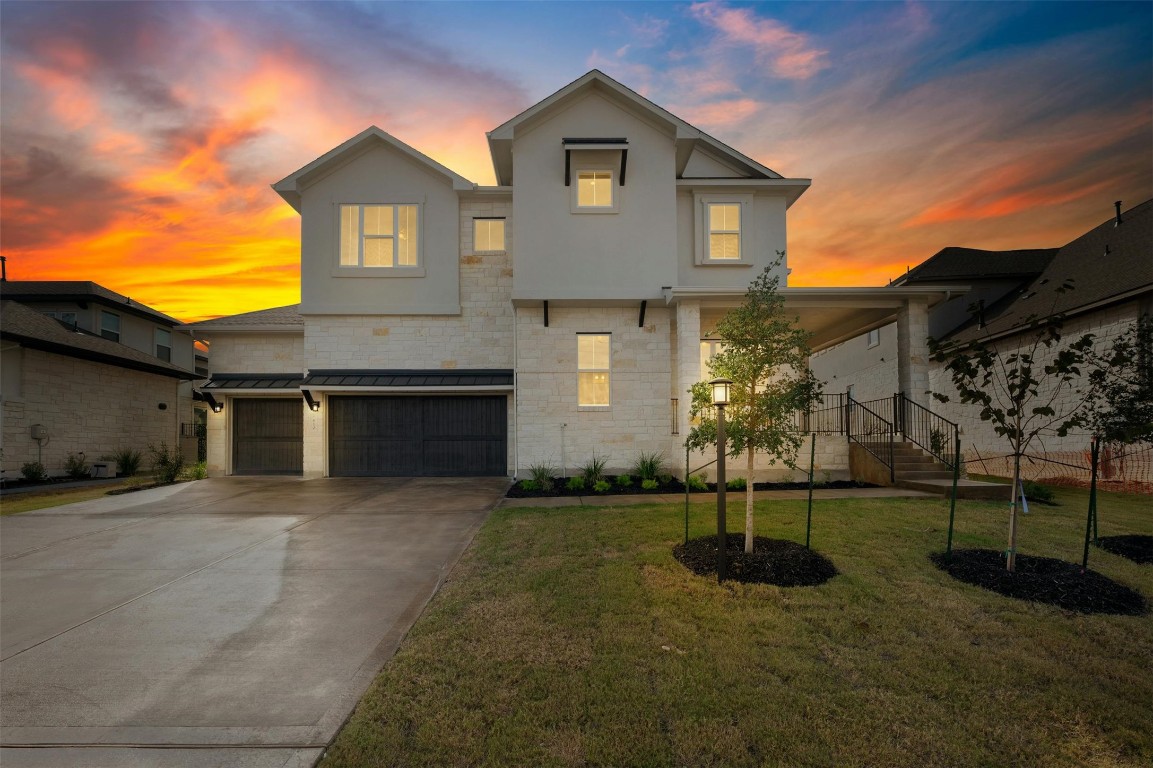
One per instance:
(1042,580)
(1133,547)
(773,561)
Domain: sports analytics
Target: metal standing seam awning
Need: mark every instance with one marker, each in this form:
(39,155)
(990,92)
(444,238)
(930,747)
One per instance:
(253,383)
(404,380)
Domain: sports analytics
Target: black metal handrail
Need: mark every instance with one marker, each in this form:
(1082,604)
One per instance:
(824,418)
(871,431)
(917,424)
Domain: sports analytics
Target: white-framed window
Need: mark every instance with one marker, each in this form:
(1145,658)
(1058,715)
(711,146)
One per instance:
(380,236)
(594,375)
(110,325)
(61,315)
(595,191)
(873,338)
(724,227)
(164,344)
(709,349)
(487,235)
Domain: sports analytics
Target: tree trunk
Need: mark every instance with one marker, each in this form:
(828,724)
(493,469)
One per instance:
(749,506)
(1011,555)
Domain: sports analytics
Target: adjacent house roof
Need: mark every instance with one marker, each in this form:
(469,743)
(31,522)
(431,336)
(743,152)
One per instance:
(276,320)
(291,186)
(966,263)
(34,330)
(687,137)
(28,291)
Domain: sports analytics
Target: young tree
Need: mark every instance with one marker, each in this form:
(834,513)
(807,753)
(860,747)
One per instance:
(766,356)
(1019,393)
(1121,387)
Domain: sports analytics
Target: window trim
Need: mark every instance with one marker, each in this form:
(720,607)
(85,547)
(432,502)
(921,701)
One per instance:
(503,234)
(396,270)
(580,168)
(607,371)
(105,332)
(701,203)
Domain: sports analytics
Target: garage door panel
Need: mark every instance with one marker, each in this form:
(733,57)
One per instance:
(415,436)
(268,436)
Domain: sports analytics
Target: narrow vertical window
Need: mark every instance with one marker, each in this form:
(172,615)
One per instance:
(110,325)
(164,344)
(487,235)
(724,231)
(593,364)
(873,338)
(595,189)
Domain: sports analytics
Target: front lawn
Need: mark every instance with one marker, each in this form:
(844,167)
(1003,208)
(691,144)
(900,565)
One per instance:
(573,637)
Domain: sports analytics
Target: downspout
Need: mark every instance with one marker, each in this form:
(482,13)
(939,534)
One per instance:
(515,393)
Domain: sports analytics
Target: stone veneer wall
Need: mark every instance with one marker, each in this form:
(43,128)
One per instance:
(256,353)
(87,407)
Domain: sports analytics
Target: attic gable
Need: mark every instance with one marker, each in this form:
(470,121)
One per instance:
(291,186)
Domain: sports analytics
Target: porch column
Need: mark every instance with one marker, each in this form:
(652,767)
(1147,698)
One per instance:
(688,366)
(913,349)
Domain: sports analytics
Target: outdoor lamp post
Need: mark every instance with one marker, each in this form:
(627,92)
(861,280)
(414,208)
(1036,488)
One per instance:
(720,400)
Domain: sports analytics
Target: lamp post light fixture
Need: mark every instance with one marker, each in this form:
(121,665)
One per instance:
(720,400)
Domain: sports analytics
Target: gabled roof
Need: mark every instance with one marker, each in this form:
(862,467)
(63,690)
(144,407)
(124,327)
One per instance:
(276,320)
(34,330)
(687,137)
(954,263)
(291,186)
(29,291)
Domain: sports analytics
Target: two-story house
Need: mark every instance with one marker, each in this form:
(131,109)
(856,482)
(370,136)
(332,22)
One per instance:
(447,328)
(92,370)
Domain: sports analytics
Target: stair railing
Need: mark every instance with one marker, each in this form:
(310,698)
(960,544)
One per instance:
(934,433)
(868,429)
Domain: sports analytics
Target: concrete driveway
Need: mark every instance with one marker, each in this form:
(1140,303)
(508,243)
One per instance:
(231,621)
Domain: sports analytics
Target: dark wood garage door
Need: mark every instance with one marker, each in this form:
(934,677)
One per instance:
(417,436)
(268,436)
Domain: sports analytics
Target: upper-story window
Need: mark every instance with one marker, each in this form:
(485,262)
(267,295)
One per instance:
(873,338)
(110,325)
(61,315)
(487,235)
(164,344)
(593,369)
(379,236)
(595,191)
(725,229)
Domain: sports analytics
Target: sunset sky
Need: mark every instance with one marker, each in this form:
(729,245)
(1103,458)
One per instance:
(139,140)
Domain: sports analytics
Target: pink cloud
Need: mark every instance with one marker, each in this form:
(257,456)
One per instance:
(788,54)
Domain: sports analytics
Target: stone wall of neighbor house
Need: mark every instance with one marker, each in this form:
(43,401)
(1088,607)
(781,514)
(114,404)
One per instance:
(978,437)
(479,337)
(552,428)
(87,407)
(256,353)
(870,371)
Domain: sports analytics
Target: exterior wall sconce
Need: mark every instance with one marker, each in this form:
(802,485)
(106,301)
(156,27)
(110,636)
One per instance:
(720,400)
(313,403)
(213,403)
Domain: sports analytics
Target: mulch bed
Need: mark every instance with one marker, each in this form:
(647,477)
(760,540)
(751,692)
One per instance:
(672,486)
(773,561)
(1043,580)
(1133,547)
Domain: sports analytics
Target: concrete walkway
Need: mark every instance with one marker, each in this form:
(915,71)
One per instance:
(226,622)
(734,497)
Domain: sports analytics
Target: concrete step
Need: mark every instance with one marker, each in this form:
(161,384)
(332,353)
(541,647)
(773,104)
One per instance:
(966,489)
(925,475)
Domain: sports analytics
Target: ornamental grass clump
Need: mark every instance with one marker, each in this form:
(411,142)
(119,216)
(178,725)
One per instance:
(649,466)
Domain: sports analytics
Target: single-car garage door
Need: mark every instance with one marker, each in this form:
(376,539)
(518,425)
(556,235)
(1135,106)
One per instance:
(268,436)
(415,436)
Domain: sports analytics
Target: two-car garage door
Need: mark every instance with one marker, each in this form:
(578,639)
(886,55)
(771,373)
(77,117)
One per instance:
(417,436)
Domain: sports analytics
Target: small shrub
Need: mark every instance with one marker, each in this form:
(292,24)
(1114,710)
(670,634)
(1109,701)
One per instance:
(736,484)
(76,467)
(937,441)
(575,483)
(602,486)
(624,481)
(650,484)
(33,471)
(199,470)
(127,461)
(529,485)
(593,470)
(166,464)
(698,482)
(649,465)
(543,475)
(1038,492)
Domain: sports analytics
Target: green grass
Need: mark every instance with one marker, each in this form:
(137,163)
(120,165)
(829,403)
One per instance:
(30,500)
(571,637)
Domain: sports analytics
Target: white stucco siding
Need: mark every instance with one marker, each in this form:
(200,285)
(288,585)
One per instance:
(256,353)
(766,236)
(640,415)
(628,254)
(381,175)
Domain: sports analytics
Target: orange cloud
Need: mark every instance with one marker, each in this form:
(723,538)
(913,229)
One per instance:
(787,53)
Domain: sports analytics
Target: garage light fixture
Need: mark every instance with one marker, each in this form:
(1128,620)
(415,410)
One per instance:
(313,403)
(213,403)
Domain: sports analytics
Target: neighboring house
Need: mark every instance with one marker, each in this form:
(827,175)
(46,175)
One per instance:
(447,328)
(87,371)
(1111,267)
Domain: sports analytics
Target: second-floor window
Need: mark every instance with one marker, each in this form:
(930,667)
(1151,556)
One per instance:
(724,231)
(110,325)
(379,236)
(487,235)
(164,344)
